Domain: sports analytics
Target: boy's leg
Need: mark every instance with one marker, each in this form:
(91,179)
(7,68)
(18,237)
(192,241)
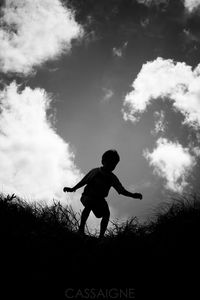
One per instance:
(84,216)
(104,221)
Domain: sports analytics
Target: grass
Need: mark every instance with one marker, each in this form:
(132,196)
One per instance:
(42,254)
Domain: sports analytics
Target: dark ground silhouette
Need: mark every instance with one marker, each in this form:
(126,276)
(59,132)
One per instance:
(42,254)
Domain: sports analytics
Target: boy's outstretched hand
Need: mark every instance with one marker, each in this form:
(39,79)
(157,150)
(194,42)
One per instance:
(138,195)
(68,189)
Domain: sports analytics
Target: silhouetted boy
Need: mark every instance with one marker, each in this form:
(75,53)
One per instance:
(98,183)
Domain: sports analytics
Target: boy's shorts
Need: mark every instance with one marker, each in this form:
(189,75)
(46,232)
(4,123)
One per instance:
(99,206)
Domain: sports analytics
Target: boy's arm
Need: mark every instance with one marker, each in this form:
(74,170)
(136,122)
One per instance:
(80,184)
(76,187)
(126,193)
(121,190)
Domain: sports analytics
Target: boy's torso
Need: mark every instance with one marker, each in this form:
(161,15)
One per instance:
(99,183)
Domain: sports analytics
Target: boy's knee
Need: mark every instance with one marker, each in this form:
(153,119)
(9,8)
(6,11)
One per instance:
(86,210)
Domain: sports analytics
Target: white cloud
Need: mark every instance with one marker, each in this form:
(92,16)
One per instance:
(150,2)
(145,22)
(34,31)
(172,162)
(190,37)
(191,5)
(35,162)
(160,124)
(171,81)
(108,94)
(119,52)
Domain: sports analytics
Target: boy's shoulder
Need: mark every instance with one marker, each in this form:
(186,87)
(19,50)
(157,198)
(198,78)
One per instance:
(94,171)
(114,177)
(109,174)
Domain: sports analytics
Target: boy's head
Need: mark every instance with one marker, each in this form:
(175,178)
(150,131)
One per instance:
(110,159)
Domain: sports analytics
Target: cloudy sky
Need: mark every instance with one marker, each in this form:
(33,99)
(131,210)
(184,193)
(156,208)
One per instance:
(79,77)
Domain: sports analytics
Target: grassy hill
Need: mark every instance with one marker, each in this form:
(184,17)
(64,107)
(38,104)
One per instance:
(43,256)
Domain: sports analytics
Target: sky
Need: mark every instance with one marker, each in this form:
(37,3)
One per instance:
(79,77)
